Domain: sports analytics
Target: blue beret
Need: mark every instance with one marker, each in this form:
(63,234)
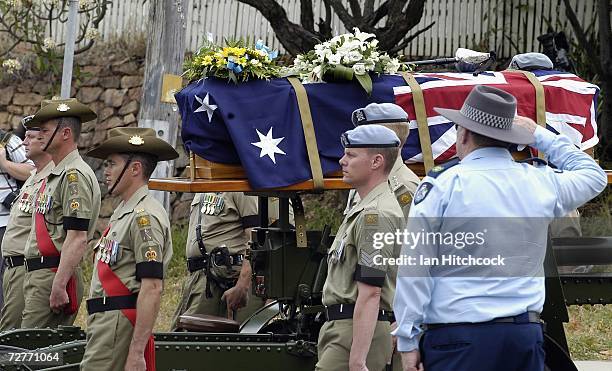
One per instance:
(376,113)
(370,136)
(530,61)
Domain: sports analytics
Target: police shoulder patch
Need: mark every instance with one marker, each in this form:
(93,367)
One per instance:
(371,219)
(439,169)
(422,192)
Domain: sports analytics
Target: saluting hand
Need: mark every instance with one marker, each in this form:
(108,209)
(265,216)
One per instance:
(58,298)
(525,122)
(135,362)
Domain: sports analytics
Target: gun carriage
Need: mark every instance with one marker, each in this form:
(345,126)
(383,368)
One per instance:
(289,267)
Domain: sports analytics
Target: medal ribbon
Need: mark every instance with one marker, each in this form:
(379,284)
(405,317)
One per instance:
(113,286)
(47,248)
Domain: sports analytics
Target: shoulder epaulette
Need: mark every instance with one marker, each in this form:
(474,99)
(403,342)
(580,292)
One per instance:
(439,169)
(537,160)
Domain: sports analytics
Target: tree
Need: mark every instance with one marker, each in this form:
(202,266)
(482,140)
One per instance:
(29,22)
(600,62)
(165,54)
(390,22)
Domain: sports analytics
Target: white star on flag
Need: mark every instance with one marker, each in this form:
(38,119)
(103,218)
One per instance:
(205,106)
(268,145)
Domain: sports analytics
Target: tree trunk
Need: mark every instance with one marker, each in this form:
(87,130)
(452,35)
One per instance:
(165,54)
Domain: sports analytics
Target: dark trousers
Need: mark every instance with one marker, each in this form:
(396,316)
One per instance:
(484,347)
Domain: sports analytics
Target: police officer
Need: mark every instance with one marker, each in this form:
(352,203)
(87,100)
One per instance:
(65,212)
(403,181)
(130,257)
(489,320)
(359,287)
(18,229)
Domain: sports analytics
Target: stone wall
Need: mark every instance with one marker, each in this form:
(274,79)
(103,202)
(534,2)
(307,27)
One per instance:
(113,89)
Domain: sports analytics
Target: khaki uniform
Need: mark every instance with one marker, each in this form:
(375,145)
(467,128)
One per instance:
(353,255)
(13,243)
(70,201)
(403,183)
(223,224)
(140,232)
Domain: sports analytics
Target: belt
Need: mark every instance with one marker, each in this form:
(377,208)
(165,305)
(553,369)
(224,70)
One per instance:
(34,264)
(201,262)
(13,261)
(345,311)
(106,303)
(527,317)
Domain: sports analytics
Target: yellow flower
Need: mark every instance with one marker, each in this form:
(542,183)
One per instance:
(207,60)
(238,52)
(221,62)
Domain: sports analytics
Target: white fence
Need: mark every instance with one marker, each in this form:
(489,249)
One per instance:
(506,26)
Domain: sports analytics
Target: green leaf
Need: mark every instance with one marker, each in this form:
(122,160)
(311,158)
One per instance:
(232,76)
(366,82)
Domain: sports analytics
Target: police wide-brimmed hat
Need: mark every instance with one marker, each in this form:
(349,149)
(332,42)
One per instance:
(134,140)
(378,113)
(490,112)
(370,136)
(51,109)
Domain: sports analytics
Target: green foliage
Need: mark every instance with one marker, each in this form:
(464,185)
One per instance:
(30,24)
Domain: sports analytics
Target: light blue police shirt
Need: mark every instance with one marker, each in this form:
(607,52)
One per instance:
(488,183)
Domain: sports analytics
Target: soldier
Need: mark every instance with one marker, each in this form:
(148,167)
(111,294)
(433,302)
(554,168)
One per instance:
(359,287)
(130,257)
(18,229)
(403,181)
(220,278)
(66,208)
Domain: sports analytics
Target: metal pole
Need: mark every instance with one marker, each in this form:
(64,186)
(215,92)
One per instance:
(71,31)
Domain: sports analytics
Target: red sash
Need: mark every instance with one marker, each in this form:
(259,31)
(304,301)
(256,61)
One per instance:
(46,247)
(113,286)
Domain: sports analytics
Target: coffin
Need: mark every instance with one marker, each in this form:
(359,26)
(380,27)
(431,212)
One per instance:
(254,133)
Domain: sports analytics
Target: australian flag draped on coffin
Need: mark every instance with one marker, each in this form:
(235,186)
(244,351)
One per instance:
(257,124)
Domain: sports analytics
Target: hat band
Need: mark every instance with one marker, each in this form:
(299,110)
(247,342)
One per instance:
(486,118)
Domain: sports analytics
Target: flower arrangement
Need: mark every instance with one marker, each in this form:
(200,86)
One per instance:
(234,61)
(344,57)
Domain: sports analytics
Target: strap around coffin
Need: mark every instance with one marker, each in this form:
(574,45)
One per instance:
(309,134)
(540,102)
(421,115)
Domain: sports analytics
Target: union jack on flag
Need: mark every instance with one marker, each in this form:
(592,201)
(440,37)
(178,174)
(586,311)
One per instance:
(570,106)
